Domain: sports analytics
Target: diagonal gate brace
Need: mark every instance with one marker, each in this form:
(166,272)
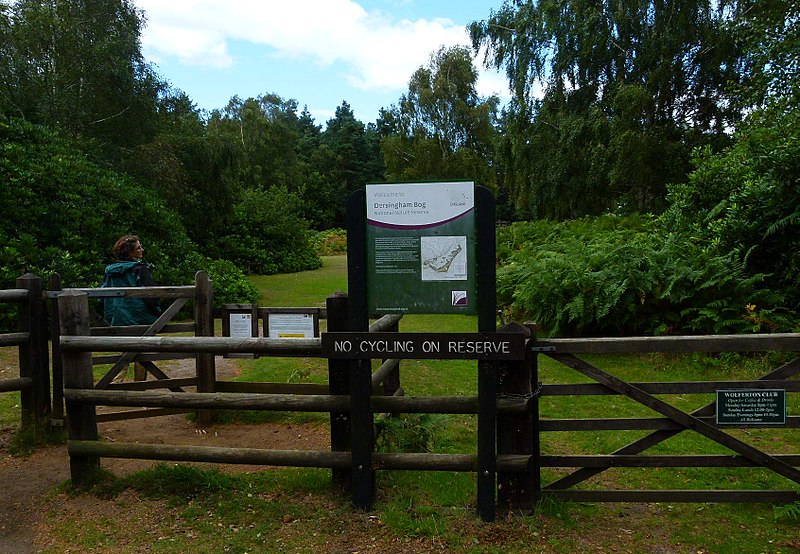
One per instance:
(129,357)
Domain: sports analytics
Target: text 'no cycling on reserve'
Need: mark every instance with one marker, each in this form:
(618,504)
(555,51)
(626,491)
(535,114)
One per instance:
(442,346)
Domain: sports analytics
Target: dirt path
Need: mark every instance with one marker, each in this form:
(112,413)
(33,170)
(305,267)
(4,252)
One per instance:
(26,482)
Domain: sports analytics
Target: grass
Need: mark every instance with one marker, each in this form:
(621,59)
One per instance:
(182,508)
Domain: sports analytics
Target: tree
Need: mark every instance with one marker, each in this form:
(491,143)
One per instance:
(77,66)
(609,97)
(746,198)
(346,161)
(265,131)
(441,128)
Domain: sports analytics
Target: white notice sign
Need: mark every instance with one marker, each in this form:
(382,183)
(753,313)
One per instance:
(291,326)
(241,325)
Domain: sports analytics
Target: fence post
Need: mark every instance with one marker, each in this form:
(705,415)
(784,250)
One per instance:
(73,308)
(55,342)
(362,419)
(339,383)
(204,320)
(515,432)
(33,356)
(536,469)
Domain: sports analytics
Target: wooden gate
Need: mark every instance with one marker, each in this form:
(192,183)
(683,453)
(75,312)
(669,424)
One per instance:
(672,422)
(202,325)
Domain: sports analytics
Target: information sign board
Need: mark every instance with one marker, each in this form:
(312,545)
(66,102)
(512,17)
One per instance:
(290,325)
(241,325)
(421,248)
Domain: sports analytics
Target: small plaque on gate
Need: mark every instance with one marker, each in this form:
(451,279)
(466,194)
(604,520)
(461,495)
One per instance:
(751,407)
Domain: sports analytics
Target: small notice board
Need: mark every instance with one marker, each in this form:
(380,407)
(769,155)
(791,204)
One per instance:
(291,323)
(239,321)
(751,407)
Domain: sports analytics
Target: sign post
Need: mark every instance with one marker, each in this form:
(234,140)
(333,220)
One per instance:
(425,248)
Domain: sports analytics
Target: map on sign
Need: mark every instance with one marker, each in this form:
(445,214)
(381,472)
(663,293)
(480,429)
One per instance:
(443,258)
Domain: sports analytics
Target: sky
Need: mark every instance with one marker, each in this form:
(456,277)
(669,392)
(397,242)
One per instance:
(317,52)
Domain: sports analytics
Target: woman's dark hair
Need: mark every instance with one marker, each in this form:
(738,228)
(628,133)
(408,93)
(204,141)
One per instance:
(125,246)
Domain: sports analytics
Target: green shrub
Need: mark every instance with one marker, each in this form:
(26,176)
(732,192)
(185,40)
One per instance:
(267,235)
(611,275)
(230,284)
(61,213)
(330,242)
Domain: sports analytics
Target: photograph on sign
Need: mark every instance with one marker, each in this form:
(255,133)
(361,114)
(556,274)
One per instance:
(421,248)
(290,326)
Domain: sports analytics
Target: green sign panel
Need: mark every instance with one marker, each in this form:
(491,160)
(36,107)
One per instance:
(421,248)
(751,407)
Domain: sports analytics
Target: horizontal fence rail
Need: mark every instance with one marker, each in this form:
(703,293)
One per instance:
(16,384)
(13,295)
(777,342)
(209,345)
(294,458)
(288,402)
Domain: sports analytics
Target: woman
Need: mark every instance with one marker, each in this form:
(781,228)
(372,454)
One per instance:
(129,271)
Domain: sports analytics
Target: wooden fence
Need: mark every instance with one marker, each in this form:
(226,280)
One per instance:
(337,398)
(519,458)
(34,377)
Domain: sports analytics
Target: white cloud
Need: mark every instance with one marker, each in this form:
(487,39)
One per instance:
(379,53)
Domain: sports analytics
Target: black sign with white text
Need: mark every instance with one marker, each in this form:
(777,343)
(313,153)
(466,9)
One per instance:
(751,407)
(439,346)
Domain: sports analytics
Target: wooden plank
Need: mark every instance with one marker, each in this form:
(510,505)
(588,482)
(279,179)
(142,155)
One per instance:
(16,384)
(385,370)
(218,400)
(73,309)
(606,461)
(386,323)
(179,291)
(140,414)
(786,371)
(8,296)
(143,356)
(14,339)
(339,383)
(214,454)
(160,375)
(153,385)
(771,497)
(301,348)
(694,387)
(638,424)
(773,342)
(295,458)
(139,330)
(688,421)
